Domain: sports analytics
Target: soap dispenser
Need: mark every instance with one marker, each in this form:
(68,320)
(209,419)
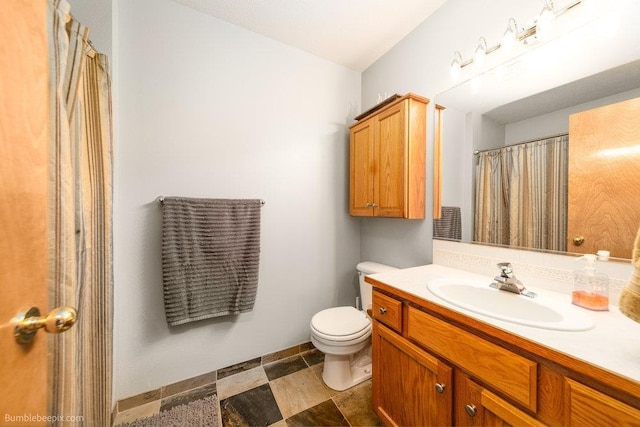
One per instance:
(590,288)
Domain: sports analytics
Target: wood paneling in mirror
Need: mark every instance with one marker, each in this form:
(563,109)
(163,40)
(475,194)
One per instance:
(437,163)
(604,173)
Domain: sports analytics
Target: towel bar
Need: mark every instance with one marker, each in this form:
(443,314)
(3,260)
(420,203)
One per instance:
(161,200)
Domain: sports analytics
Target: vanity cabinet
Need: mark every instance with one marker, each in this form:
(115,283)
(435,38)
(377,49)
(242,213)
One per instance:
(477,406)
(412,387)
(585,406)
(434,366)
(387,161)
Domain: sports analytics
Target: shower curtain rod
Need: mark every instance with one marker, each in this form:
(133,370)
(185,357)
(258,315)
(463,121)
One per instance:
(161,200)
(521,143)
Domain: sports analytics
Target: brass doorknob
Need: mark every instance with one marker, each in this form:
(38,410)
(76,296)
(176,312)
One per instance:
(578,240)
(27,323)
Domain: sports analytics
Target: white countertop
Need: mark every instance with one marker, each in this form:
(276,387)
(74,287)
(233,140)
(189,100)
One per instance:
(612,344)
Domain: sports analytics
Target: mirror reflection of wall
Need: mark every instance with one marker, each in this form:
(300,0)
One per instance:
(472,124)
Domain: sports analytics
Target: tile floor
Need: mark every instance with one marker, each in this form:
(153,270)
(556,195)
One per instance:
(271,390)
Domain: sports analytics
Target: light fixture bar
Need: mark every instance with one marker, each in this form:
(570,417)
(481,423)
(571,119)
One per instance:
(520,36)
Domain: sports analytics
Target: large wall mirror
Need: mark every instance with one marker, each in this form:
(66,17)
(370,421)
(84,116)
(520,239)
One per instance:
(533,100)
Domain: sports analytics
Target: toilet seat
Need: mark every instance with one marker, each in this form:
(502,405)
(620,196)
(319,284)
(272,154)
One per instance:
(341,324)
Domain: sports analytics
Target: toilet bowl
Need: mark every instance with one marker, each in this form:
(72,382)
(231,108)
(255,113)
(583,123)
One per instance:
(343,334)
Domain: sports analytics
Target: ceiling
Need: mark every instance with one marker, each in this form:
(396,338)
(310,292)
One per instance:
(353,33)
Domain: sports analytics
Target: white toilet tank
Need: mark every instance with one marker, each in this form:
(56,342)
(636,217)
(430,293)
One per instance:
(364,269)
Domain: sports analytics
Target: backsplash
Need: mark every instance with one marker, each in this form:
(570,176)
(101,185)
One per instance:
(553,272)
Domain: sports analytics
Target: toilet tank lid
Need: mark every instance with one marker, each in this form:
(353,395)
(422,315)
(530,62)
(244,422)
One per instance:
(370,267)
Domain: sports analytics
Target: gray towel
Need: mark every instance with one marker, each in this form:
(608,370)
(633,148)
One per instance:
(210,257)
(449,226)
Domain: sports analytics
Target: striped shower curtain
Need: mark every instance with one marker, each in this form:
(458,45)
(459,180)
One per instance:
(521,195)
(80,250)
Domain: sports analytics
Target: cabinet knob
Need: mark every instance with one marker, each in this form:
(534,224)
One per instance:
(470,410)
(375,205)
(439,388)
(368,205)
(578,240)
(382,310)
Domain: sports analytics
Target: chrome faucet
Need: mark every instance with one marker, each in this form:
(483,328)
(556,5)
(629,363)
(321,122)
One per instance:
(507,281)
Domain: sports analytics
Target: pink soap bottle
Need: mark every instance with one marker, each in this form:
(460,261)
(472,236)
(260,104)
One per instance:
(590,288)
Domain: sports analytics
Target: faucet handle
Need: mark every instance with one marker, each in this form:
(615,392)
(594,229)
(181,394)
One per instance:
(506,269)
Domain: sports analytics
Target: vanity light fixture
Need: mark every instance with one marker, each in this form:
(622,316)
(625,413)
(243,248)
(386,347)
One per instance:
(541,26)
(510,36)
(456,65)
(480,53)
(544,22)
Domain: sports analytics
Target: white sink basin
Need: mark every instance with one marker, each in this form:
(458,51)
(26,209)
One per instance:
(540,312)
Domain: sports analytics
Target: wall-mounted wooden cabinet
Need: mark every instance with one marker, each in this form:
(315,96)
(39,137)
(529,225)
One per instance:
(387,161)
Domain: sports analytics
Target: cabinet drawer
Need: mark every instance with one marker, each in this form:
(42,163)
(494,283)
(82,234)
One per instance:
(387,310)
(503,370)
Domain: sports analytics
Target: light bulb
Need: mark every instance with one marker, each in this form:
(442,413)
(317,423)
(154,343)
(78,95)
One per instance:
(510,36)
(545,20)
(456,66)
(480,53)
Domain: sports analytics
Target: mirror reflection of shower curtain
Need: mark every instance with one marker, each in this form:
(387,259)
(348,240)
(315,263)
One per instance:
(521,195)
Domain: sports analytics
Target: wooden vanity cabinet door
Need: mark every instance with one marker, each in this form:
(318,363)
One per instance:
(587,407)
(476,406)
(410,387)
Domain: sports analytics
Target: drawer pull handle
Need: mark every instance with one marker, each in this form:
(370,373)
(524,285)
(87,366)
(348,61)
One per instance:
(440,388)
(383,310)
(470,410)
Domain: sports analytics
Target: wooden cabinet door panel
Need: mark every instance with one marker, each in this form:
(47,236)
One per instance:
(587,407)
(361,169)
(404,383)
(390,158)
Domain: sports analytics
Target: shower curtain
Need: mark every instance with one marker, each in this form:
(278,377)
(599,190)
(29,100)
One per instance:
(521,195)
(80,194)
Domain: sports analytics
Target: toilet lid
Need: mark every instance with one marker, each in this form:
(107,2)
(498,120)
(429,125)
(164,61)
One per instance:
(341,322)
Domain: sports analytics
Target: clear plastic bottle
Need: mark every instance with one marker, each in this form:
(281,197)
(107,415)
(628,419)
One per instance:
(590,288)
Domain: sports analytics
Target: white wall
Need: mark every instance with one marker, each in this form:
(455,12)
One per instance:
(207,109)
(557,122)
(97,15)
(420,63)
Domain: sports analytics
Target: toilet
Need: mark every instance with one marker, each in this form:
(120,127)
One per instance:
(343,334)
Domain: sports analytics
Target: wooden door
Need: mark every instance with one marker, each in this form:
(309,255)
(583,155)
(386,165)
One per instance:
(604,172)
(476,406)
(361,169)
(391,159)
(587,407)
(410,387)
(24,138)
